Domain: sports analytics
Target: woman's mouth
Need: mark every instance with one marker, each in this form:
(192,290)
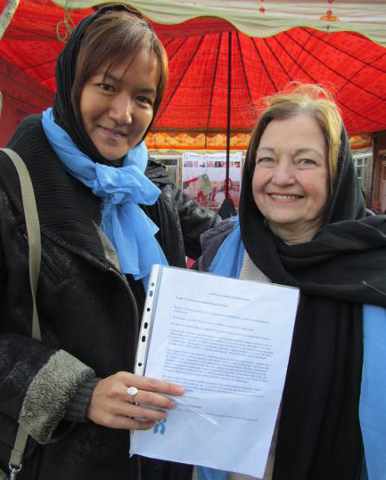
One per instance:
(113,133)
(284,197)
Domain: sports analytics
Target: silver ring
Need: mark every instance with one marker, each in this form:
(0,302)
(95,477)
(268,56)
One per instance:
(132,393)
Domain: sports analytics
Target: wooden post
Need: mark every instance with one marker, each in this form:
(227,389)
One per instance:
(7,15)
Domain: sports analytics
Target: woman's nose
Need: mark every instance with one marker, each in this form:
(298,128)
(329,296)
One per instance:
(121,110)
(283,174)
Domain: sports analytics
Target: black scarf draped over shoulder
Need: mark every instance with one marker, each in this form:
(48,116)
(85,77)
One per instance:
(339,270)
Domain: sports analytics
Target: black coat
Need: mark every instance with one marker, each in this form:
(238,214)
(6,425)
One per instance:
(184,218)
(88,314)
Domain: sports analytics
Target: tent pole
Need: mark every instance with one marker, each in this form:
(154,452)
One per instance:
(229,98)
(7,15)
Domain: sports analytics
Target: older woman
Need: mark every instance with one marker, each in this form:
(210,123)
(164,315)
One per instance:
(302,222)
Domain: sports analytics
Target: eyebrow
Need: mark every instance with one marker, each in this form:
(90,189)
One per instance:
(148,90)
(107,76)
(110,76)
(307,150)
(267,149)
(297,152)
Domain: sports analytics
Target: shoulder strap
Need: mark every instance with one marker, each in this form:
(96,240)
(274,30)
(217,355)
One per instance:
(34,258)
(33,232)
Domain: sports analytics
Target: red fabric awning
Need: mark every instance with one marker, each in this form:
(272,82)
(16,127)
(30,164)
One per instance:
(350,65)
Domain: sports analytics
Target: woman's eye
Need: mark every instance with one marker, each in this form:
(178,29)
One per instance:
(145,100)
(307,162)
(264,161)
(106,87)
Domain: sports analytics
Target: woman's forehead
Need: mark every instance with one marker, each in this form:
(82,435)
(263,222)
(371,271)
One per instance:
(302,127)
(141,73)
(143,60)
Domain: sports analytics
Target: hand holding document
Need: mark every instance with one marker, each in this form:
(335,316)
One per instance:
(227,342)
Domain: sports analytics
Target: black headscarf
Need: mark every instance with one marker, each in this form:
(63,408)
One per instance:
(341,268)
(64,113)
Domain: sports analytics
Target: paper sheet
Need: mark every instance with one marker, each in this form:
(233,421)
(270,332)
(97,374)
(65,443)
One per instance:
(227,342)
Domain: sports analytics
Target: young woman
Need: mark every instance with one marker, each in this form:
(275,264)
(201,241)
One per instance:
(87,159)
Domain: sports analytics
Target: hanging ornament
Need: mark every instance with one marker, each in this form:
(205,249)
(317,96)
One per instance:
(262,9)
(65,27)
(329,16)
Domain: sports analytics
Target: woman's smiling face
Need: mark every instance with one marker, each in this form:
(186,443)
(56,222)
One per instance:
(117,105)
(290,181)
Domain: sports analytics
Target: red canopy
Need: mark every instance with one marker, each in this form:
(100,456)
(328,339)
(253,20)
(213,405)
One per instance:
(352,66)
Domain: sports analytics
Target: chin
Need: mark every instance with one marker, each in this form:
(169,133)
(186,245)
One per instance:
(112,155)
(282,221)
(281,217)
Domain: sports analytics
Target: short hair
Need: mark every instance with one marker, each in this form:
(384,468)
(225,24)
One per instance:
(109,40)
(312,100)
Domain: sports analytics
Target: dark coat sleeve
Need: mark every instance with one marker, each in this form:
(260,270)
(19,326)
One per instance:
(21,357)
(194,219)
(37,380)
(211,241)
(181,219)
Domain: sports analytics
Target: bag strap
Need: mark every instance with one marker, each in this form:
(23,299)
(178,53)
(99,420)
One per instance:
(33,233)
(34,259)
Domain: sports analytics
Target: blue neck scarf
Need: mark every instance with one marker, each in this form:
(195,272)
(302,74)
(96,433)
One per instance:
(127,226)
(229,257)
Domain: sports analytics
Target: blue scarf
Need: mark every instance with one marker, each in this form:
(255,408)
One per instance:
(372,406)
(229,257)
(127,226)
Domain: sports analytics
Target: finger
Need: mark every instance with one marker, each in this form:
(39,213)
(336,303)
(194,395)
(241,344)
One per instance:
(128,423)
(153,399)
(130,410)
(139,425)
(154,385)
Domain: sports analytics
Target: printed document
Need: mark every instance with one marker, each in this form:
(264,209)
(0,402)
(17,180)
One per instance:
(227,341)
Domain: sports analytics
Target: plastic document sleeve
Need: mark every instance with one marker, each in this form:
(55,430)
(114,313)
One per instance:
(147,320)
(227,342)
